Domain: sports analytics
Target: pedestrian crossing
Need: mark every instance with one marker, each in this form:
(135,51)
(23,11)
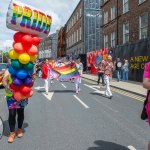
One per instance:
(118,91)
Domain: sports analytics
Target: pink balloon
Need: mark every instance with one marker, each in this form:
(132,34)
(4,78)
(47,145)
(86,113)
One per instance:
(19,48)
(32,51)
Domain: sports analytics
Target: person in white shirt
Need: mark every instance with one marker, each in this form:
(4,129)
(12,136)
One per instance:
(79,66)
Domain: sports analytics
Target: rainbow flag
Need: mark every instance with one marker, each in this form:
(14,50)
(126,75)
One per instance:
(64,72)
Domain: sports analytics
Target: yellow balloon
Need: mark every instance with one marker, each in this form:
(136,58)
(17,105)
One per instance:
(13,54)
(33,58)
(24,58)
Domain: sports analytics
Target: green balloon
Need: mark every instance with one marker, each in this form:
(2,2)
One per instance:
(29,66)
(16,64)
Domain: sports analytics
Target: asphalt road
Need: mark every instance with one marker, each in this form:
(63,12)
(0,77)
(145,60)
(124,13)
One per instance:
(85,121)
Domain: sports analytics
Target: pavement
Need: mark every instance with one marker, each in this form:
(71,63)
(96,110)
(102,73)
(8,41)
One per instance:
(130,86)
(64,120)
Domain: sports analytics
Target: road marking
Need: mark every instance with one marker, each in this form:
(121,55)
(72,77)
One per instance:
(49,96)
(39,87)
(90,87)
(63,85)
(81,102)
(130,147)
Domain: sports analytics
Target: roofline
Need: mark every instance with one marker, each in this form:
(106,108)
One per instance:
(74,11)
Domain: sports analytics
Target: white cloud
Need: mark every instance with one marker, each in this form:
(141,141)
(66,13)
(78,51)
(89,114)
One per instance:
(60,10)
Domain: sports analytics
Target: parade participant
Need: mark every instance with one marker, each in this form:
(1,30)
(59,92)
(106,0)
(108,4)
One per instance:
(79,66)
(108,69)
(101,73)
(146,85)
(46,75)
(15,107)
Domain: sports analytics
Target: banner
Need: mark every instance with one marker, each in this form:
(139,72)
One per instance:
(25,18)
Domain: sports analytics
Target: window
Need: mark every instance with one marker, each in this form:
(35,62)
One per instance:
(80,34)
(141,1)
(125,32)
(113,42)
(113,12)
(125,6)
(77,36)
(105,41)
(143,26)
(105,17)
(77,16)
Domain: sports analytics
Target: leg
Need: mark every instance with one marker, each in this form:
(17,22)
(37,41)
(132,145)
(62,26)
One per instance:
(20,113)
(46,85)
(107,92)
(127,76)
(117,72)
(103,82)
(12,123)
(12,119)
(49,83)
(98,78)
(77,84)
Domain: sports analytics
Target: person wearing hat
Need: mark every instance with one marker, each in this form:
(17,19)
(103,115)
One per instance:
(79,66)
(108,70)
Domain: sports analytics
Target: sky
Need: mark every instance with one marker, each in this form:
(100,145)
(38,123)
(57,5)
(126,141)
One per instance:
(60,10)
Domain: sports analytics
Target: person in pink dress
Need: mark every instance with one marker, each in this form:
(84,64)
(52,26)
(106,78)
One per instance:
(146,85)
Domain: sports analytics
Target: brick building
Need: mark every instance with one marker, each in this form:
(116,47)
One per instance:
(125,21)
(62,42)
(84,28)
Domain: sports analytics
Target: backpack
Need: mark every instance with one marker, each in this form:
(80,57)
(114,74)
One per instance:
(119,64)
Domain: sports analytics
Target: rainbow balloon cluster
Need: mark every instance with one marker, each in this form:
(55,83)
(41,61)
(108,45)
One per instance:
(22,68)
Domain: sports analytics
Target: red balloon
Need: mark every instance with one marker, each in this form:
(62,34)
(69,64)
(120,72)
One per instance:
(25,90)
(18,36)
(27,40)
(32,51)
(18,96)
(30,94)
(13,87)
(19,48)
(36,40)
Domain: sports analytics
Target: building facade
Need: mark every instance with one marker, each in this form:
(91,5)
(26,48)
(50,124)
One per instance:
(62,42)
(125,21)
(84,28)
(48,46)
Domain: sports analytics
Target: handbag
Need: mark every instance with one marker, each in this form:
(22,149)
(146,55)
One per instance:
(144,115)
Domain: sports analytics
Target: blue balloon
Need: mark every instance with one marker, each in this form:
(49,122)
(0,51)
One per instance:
(28,81)
(11,70)
(31,72)
(21,74)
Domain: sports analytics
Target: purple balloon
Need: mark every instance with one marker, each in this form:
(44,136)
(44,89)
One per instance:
(28,81)
(17,82)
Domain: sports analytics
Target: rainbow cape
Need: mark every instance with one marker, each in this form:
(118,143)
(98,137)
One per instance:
(64,72)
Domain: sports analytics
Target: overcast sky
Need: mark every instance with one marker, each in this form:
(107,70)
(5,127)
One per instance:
(60,10)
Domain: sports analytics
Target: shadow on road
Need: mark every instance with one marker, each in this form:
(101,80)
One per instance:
(103,145)
(99,94)
(6,128)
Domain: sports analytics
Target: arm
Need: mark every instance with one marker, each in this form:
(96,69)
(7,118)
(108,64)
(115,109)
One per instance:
(146,83)
(5,79)
(146,78)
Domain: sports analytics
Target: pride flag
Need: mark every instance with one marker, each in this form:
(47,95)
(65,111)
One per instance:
(64,72)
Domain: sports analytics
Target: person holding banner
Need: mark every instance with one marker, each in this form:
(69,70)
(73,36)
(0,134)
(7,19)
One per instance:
(46,75)
(108,69)
(79,66)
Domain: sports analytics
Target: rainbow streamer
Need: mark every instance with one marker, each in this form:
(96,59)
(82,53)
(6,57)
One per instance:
(64,72)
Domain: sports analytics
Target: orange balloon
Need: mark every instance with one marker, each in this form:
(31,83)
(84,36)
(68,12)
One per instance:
(18,96)
(30,94)
(19,48)
(25,90)
(32,51)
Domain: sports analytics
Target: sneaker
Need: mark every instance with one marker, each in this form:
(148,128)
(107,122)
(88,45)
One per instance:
(110,97)
(77,92)
(19,133)
(11,137)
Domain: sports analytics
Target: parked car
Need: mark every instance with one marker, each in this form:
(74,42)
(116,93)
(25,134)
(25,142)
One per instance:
(3,67)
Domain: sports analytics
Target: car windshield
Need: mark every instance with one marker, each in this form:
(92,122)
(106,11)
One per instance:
(3,67)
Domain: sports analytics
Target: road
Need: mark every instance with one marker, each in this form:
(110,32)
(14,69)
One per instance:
(85,121)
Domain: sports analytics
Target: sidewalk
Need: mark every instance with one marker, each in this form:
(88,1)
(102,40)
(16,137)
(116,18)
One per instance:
(132,87)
